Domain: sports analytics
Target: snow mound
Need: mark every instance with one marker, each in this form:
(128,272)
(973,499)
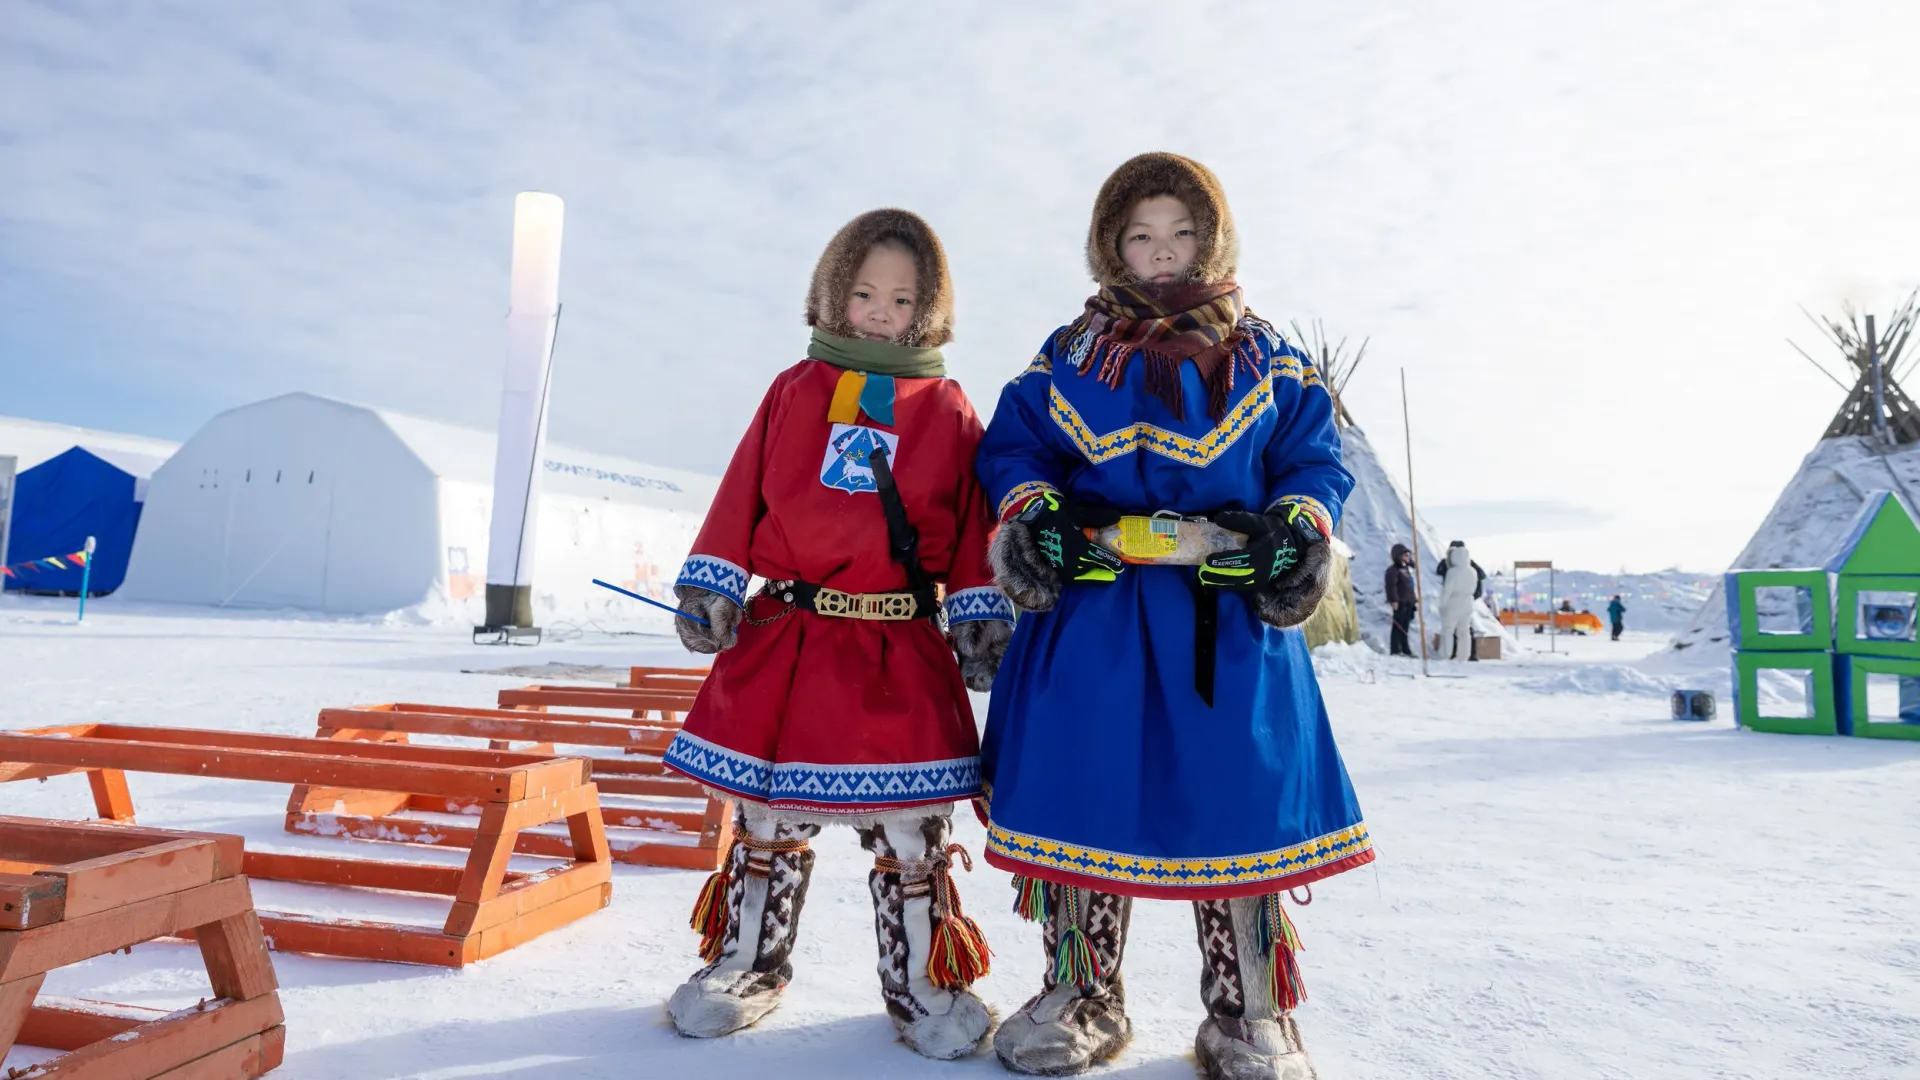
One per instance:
(1603,679)
(1337,658)
(1810,520)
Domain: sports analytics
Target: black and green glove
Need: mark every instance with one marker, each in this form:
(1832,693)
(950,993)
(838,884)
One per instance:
(1042,547)
(1285,567)
(1058,529)
(1276,543)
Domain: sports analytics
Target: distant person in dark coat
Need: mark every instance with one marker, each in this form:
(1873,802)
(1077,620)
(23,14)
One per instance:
(1402,597)
(1617,612)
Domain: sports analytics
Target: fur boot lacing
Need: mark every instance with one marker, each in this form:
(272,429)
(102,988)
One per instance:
(710,908)
(959,955)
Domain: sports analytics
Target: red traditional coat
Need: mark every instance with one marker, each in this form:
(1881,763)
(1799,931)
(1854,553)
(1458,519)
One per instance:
(832,715)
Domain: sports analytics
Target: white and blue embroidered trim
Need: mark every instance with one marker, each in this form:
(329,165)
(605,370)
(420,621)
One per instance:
(829,786)
(715,575)
(719,767)
(972,605)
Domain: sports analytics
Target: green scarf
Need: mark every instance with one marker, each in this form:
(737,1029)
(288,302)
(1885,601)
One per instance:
(876,357)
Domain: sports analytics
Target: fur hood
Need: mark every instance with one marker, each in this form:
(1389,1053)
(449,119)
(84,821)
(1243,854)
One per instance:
(833,276)
(1163,174)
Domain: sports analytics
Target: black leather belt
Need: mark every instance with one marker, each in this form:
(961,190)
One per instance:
(876,607)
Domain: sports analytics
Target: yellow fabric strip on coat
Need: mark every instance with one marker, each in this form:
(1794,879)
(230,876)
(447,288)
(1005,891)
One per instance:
(846,398)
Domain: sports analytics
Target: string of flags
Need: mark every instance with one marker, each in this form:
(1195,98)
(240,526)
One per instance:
(51,562)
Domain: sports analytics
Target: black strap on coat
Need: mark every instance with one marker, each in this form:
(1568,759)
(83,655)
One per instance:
(1206,636)
(903,540)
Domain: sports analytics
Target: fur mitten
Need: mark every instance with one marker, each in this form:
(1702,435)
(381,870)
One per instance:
(720,612)
(1297,591)
(981,643)
(1022,570)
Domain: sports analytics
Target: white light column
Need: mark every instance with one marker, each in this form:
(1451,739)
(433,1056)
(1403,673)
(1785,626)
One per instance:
(533,316)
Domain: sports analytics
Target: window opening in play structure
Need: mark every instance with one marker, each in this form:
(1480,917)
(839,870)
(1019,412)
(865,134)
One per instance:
(1886,616)
(1785,693)
(1784,609)
(1893,699)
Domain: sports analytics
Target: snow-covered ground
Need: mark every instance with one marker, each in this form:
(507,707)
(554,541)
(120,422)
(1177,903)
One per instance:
(1569,884)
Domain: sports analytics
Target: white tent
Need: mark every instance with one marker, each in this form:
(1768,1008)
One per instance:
(306,502)
(30,442)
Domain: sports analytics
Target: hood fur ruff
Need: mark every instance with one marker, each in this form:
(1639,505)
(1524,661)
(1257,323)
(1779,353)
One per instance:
(833,276)
(1163,174)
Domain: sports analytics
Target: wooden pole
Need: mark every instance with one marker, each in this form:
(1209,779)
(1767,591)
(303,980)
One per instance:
(1413,512)
(1879,425)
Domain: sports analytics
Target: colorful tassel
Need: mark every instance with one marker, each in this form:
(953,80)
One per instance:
(1030,898)
(1281,942)
(959,955)
(1073,960)
(710,914)
(710,910)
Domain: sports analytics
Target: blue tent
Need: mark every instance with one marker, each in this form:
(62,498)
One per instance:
(60,502)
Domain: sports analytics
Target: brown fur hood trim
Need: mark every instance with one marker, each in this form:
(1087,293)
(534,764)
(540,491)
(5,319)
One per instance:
(833,277)
(1185,179)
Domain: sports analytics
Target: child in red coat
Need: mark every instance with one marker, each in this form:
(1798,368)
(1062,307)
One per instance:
(835,695)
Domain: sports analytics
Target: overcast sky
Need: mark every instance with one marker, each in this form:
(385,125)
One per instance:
(1582,229)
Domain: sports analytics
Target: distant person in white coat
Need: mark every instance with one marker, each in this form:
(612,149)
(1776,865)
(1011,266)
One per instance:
(1461,583)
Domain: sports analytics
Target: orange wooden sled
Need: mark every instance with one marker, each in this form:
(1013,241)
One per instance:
(493,909)
(70,891)
(678,825)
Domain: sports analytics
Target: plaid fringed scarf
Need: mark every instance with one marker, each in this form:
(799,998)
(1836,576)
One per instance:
(1164,325)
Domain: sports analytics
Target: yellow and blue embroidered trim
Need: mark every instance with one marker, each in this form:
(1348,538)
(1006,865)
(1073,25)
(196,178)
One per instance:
(1311,505)
(1042,364)
(1198,873)
(1021,494)
(1201,451)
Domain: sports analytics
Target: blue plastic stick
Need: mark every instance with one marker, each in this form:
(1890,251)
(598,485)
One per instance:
(655,603)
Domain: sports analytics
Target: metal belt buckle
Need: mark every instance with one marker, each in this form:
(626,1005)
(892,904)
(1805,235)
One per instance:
(874,607)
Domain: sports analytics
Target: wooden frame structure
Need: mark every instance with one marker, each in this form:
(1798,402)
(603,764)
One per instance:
(693,839)
(493,908)
(70,891)
(639,704)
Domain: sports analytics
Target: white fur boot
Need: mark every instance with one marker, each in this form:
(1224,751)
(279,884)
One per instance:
(929,951)
(751,914)
(1079,1018)
(1248,1034)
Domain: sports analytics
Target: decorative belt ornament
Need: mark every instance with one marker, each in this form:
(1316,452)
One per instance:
(879,607)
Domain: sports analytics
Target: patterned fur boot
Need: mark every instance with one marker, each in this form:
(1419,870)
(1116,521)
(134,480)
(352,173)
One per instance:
(747,916)
(930,952)
(1250,983)
(1079,1018)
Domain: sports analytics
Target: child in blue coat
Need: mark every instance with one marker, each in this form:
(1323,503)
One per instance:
(1156,730)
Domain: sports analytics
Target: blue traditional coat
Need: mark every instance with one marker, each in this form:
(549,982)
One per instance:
(1102,765)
